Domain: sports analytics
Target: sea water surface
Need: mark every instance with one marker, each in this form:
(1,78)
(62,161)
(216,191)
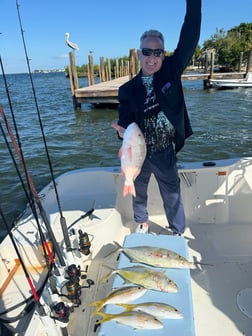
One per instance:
(221,120)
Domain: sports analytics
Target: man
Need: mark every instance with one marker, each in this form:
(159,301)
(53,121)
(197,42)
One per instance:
(154,100)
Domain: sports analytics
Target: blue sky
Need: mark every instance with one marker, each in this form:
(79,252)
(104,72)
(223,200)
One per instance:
(108,28)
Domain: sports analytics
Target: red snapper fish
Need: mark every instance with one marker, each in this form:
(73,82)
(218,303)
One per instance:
(132,155)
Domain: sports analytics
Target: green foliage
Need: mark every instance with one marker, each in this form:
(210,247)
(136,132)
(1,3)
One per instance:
(230,45)
(243,33)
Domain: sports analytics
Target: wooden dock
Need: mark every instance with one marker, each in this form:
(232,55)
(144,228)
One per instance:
(101,93)
(107,92)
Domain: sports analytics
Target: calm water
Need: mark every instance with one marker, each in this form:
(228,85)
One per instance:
(221,120)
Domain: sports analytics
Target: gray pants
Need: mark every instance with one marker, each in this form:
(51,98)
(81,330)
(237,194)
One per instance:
(163,166)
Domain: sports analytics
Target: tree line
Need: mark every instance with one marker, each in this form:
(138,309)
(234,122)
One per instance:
(228,47)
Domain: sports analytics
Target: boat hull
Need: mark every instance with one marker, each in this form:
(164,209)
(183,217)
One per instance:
(217,198)
(232,83)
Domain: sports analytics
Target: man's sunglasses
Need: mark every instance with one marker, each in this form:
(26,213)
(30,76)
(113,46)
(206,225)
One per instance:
(149,52)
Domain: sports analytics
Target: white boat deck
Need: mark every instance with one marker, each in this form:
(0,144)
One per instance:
(182,299)
(217,200)
(215,286)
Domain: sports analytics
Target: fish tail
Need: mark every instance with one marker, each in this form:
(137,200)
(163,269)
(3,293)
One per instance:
(105,317)
(129,189)
(127,307)
(107,276)
(98,305)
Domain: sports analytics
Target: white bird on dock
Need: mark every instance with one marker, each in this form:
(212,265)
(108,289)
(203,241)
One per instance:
(72,45)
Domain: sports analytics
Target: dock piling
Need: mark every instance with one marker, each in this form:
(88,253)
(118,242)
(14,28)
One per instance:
(90,68)
(249,61)
(101,70)
(74,83)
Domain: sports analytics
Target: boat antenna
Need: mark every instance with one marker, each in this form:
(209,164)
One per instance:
(62,218)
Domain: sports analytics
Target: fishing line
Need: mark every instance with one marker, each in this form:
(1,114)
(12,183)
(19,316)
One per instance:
(18,148)
(29,280)
(45,245)
(32,189)
(62,218)
(30,200)
(35,295)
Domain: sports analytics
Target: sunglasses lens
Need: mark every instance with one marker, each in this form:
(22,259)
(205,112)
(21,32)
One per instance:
(149,52)
(157,52)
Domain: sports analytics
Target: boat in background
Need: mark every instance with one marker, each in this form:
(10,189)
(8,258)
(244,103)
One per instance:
(232,83)
(214,296)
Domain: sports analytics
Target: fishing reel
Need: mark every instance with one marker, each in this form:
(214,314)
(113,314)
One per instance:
(73,284)
(61,312)
(73,273)
(84,243)
(73,292)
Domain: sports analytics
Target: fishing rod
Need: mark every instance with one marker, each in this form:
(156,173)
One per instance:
(19,153)
(34,292)
(33,191)
(41,309)
(52,282)
(45,244)
(62,218)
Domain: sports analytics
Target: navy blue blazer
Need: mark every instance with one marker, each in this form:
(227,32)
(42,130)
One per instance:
(166,82)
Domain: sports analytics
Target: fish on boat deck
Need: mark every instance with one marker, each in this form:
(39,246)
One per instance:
(155,256)
(134,319)
(158,309)
(146,277)
(119,295)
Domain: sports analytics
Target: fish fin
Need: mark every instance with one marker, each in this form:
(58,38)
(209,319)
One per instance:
(129,189)
(137,173)
(129,150)
(120,129)
(115,126)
